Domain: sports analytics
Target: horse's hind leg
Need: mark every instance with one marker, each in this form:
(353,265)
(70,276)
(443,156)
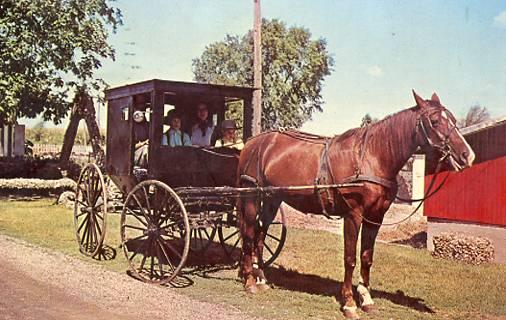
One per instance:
(351,229)
(270,208)
(248,217)
(368,238)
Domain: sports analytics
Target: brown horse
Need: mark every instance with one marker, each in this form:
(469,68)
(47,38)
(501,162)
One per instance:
(372,156)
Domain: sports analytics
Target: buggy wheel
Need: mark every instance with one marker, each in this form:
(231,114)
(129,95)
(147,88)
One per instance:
(201,239)
(274,242)
(90,210)
(155,232)
(230,238)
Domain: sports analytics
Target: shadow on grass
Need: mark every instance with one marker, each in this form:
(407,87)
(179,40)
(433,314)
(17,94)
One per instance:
(212,261)
(106,253)
(313,284)
(418,240)
(180,281)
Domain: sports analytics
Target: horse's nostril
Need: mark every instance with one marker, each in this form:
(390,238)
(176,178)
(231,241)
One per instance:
(465,154)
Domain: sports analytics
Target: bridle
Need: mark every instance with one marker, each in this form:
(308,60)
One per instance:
(444,147)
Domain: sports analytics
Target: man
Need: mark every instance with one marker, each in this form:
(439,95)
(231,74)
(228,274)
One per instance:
(228,136)
(141,132)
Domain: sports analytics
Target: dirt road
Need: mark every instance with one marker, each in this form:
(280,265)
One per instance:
(36,283)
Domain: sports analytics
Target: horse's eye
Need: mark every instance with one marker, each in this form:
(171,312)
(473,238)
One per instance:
(434,123)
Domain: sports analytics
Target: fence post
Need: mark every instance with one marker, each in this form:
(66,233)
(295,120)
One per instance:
(418,181)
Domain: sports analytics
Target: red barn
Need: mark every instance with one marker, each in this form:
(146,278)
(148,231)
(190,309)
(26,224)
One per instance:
(474,201)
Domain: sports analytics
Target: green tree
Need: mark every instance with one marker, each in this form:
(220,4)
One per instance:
(293,70)
(367,119)
(49,48)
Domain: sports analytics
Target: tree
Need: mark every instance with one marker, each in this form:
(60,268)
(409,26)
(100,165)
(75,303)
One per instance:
(293,69)
(368,119)
(49,49)
(476,114)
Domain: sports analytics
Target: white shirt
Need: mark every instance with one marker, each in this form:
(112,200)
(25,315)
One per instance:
(201,140)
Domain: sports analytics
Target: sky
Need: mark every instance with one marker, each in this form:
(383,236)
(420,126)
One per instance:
(382,49)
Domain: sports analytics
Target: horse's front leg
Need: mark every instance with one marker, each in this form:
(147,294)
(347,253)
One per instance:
(351,229)
(368,238)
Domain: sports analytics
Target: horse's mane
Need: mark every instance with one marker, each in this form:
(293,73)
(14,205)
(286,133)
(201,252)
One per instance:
(358,132)
(381,125)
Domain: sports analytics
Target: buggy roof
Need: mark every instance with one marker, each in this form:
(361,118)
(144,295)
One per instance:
(171,87)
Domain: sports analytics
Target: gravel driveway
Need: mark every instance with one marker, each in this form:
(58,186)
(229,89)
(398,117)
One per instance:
(38,283)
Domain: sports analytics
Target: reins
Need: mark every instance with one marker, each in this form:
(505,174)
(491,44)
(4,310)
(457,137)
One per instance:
(427,195)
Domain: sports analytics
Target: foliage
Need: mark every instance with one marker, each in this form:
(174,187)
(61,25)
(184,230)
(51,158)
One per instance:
(476,114)
(49,48)
(368,119)
(56,135)
(293,69)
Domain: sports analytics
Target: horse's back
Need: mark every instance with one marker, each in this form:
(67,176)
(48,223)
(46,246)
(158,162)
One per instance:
(283,158)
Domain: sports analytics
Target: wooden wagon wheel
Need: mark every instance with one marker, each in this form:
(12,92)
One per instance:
(230,238)
(201,238)
(153,221)
(90,210)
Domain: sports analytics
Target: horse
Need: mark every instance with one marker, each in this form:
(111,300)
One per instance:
(369,157)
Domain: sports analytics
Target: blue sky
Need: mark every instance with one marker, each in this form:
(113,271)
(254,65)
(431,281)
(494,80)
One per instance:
(382,49)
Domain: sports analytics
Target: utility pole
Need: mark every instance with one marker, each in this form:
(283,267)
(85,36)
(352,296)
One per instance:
(257,70)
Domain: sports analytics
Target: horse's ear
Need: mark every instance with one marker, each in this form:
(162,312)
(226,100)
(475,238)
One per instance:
(419,101)
(435,98)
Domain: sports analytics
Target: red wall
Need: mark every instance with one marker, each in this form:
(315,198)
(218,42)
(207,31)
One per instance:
(477,194)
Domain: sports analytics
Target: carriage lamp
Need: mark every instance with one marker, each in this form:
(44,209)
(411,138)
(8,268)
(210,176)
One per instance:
(138,116)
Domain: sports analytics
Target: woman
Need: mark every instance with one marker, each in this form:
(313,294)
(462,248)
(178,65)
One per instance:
(203,129)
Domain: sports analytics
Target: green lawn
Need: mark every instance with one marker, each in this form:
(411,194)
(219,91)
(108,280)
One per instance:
(407,283)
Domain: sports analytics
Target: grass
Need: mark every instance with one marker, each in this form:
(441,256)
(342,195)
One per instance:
(407,283)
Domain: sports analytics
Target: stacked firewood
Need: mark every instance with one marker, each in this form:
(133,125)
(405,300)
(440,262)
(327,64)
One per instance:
(7,185)
(470,249)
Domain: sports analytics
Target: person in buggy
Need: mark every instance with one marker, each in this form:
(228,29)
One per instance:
(175,136)
(202,131)
(228,136)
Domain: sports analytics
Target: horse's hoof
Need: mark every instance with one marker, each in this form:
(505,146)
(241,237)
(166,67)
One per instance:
(251,289)
(368,308)
(350,313)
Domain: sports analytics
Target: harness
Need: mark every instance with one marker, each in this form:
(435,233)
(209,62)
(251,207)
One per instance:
(325,175)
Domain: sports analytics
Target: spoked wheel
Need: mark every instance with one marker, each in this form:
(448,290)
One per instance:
(90,210)
(201,239)
(155,232)
(230,238)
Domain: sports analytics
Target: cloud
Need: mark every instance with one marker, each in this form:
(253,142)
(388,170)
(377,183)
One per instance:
(375,71)
(500,19)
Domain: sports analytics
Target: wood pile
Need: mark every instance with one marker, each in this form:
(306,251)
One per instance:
(42,187)
(470,249)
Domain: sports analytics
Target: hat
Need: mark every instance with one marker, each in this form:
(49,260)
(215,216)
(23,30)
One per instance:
(228,124)
(173,113)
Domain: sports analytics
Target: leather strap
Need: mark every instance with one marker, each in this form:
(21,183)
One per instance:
(377,180)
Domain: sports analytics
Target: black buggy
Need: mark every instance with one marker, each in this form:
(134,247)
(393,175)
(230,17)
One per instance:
(181,197)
